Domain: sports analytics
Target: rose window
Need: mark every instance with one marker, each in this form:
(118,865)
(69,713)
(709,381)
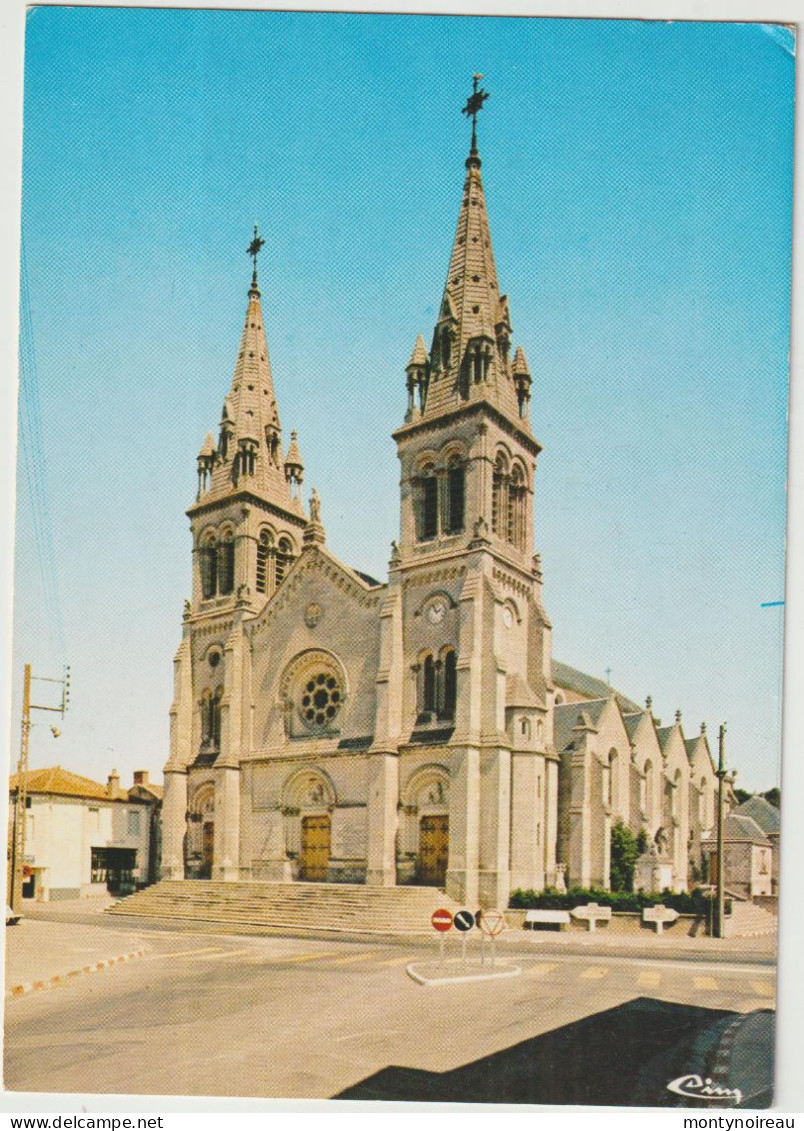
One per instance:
(320,700)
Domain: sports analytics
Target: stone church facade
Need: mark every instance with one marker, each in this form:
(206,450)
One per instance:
(330,727)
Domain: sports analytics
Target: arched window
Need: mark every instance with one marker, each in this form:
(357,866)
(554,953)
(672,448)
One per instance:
(264,548)
(226,564)
(209,567)
(449,693)
(456,495)
(215,719)
(427,508)
(284,560)
(429,684)
(516,508)
(499,495)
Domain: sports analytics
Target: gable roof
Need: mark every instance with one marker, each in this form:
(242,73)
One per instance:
(760,810)
(64,783)
(566,716)
(571,679)
(664,735)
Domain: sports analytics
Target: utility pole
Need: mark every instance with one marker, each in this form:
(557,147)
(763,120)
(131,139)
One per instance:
(721,864)
(21,798)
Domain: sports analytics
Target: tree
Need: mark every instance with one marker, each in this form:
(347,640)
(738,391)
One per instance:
(624,855)
(773,796)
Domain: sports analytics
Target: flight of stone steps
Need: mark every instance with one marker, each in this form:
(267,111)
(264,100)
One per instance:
(302,909)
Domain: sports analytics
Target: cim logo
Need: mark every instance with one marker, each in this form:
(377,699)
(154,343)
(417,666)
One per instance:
(694,1087)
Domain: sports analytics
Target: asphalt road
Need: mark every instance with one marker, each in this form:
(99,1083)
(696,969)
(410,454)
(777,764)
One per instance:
(206,1014)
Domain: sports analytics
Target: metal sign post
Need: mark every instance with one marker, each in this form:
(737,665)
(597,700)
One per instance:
(464,921)
(441,921)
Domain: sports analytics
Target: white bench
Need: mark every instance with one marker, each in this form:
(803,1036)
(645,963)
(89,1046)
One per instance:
(548,920)
(592,913)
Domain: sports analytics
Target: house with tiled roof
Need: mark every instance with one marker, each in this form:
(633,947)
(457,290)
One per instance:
(768,818)
(84,838)
(748,857)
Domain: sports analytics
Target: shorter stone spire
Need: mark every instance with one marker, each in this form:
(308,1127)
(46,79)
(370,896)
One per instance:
(522,380)
(294,468)
(417,372)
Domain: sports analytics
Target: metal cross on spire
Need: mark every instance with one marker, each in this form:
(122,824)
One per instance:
(254,249)
(474,104)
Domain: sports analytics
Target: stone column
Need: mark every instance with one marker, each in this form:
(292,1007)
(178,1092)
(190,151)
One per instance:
(174,824)
(226,849)
(527,861)
(494,878)
(464,825)
(383,795)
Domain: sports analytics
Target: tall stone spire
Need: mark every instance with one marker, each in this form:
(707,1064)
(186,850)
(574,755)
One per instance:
(469,358)
(249,452)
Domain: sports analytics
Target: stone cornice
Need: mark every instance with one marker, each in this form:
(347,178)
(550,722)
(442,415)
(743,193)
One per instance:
(221,501)
(474,408)
(310,561)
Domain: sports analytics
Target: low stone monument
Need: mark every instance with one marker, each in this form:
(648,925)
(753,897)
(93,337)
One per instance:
(592,913)
(659,915)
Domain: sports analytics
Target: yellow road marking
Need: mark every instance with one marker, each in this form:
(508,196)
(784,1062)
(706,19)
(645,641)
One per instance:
(543,968)
(595,972)
(704,982)
(397,961)
(185,953)
(648,978)
(762,989)
(232,953)
(351,958)
(303,957)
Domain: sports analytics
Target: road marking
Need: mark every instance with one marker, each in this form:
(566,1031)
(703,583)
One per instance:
(762,989)
(595,972)
(649,978)
(347,958)
(542,968)
(704,983)
(303,957)
(397,961)
(185,953)
(231,953)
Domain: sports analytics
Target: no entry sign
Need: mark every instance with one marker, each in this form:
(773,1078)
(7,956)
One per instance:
(441,919)
(464,920)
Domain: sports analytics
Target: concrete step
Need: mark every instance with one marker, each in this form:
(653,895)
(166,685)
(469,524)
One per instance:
(276,908)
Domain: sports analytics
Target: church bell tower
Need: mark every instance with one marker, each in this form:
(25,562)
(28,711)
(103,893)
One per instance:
(247,524)
(477,638)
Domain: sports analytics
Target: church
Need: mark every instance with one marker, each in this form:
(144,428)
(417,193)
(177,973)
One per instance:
(330,727)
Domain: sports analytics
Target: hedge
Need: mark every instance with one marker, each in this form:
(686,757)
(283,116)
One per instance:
(696,902)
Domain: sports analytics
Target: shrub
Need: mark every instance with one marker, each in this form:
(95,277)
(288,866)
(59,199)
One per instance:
(696,902)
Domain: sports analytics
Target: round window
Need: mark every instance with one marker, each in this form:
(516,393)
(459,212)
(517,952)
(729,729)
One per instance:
(320,699)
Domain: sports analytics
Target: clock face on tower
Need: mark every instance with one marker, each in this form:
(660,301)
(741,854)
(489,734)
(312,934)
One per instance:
(435,614)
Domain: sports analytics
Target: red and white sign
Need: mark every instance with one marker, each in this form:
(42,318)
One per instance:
(441,919)
(492,923)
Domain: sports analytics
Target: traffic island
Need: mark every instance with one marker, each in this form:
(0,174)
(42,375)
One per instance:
(452,970)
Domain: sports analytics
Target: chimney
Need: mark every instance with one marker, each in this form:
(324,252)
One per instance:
(113,784)
(140,777)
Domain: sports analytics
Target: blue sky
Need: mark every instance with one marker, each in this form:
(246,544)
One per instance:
(638,178)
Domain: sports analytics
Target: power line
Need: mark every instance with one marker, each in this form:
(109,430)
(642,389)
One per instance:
(35,467)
